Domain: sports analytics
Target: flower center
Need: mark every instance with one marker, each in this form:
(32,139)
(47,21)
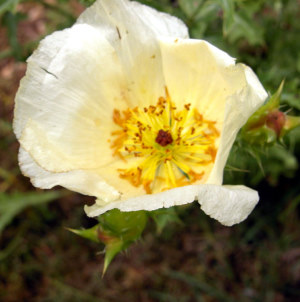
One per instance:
(162,146)
(164,138)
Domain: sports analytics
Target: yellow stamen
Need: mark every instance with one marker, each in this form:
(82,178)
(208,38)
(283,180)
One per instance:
(167,147)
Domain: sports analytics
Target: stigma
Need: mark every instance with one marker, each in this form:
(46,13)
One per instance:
(164,138)
(164,146)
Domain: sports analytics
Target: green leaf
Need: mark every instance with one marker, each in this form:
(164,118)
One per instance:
(161,5)
(163,217)
(8,5)
(12,245)
(283,158)
(87,2)
(243,27)
(202,19)
(11,205)
(11,21)
(228,18)
(190,7)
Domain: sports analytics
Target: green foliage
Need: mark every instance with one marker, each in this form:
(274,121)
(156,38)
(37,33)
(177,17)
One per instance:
(229,15)
(190,8)
(242,27)
(87,2)
(126,225)
(8,6)
(163,217)
(257,129)
(260,148)
(90,234)
(12,204)
(10,20)
(116,230)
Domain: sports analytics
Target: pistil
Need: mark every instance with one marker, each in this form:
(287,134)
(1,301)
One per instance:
(164,138)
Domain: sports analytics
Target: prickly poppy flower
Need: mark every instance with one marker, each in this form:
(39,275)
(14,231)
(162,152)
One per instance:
(125,107)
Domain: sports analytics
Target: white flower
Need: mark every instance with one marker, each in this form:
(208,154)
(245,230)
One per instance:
(125,107)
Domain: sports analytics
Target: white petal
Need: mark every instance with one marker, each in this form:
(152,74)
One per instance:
(75,79)
(132,29)
(102,15)
(149,202)
(84,182)
(239,107)
(51,158)
(73,82)
(227,204)
(197,72)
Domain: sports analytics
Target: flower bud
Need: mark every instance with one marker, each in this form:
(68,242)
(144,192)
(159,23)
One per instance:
(268,123)
(275,120)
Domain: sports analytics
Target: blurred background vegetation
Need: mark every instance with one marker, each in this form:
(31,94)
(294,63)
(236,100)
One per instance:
(193,258)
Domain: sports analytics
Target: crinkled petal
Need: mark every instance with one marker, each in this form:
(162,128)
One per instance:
(149,202)
(69,93)
(239,107)
(111,13)
(82,181)
(132,29)
(227,204)
(75,79)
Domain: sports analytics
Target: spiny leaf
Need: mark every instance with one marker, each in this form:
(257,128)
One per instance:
(128,225)
(90,234)
(111,250)
(118,230)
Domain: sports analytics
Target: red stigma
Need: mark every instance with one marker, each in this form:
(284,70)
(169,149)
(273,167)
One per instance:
(164,138)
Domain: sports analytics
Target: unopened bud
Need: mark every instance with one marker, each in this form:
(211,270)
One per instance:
(275,120)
